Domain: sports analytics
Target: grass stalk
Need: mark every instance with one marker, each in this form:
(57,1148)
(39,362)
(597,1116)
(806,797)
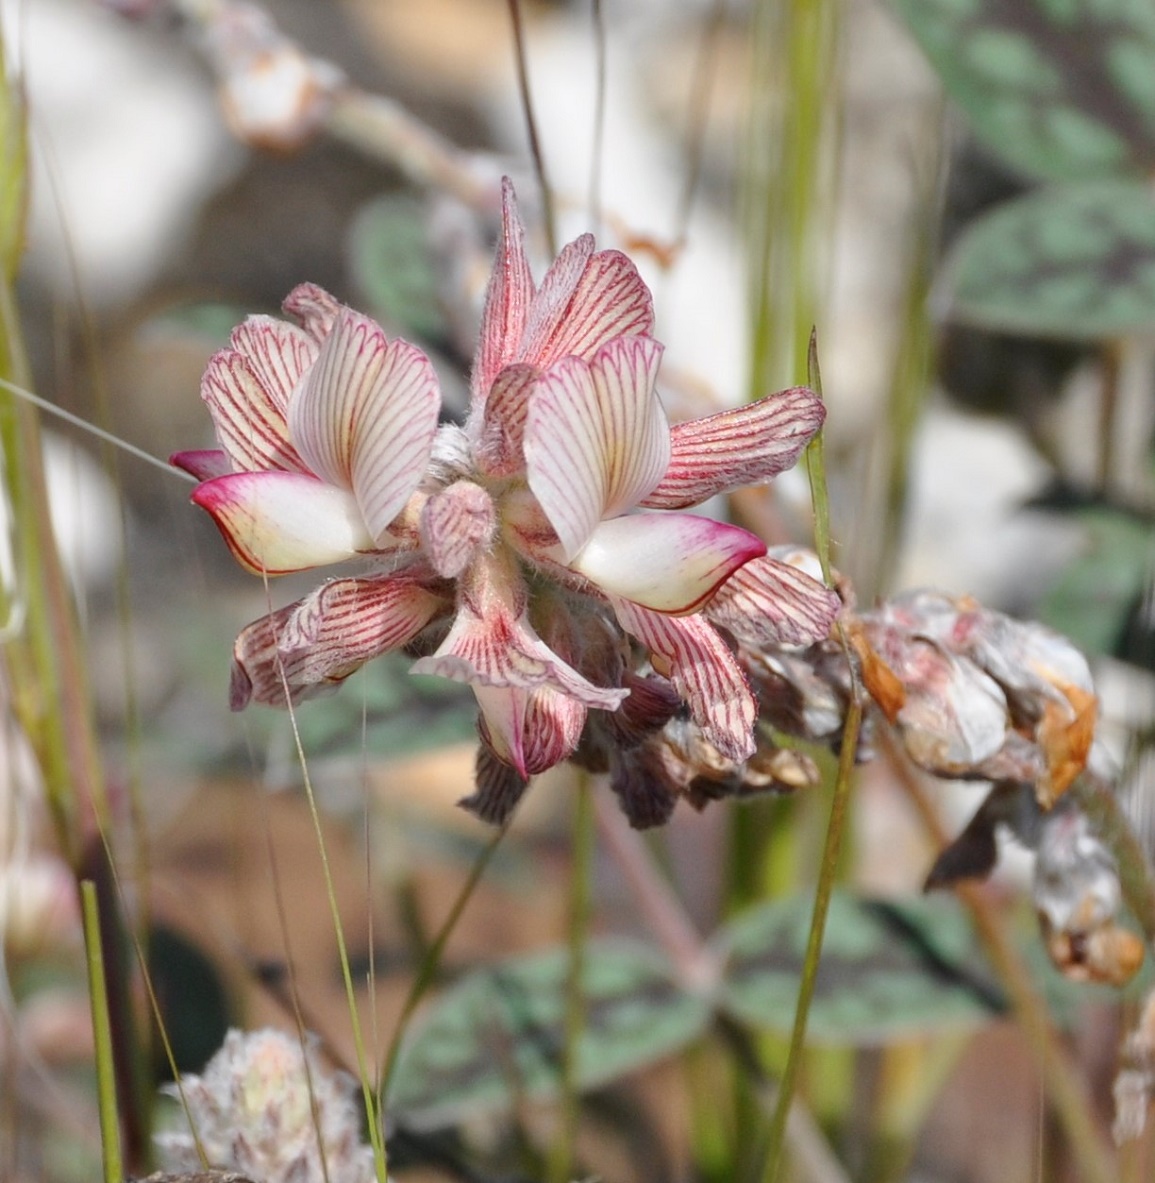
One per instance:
(113,1165)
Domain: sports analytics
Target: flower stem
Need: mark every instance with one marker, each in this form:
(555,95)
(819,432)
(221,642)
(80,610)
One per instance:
(563,1150)
(432,960)
(830,855)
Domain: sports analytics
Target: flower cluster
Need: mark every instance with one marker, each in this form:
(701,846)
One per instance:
(538,552)
(268,1107)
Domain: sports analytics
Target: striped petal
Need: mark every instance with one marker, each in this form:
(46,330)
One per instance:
(744,446)
(531,730)
(276,522)
(498,450)
(313,645)
(586,300)
(767,602)
(492,643)
(507,301)
(365,417)
(204,465)
(703,672)
(313,308)
(596,437)
(247,411)
(278,354)
(667,562)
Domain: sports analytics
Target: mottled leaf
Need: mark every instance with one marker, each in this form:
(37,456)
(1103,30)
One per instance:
(497,1035)
(393,266)
(889,970)
(1091,599)
(1074,260)
(1058,88)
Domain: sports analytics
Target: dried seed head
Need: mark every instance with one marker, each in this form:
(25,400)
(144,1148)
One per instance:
(273,1111)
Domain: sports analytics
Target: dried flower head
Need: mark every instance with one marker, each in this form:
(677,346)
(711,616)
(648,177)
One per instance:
(270,1109)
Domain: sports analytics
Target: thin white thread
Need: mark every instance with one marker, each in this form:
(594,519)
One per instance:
(43,404)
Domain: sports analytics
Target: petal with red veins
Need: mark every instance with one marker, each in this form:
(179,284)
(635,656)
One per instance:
(502,650)
(278,354)
(249,417)
(553,301)
(768,602)
(313,309)
(365,416)
(204,465)
(667,562)
(455,523)
(312,645)
(507,301)
(577,315)
(703,671)
(498,450)
(596,437)
(744,446)
(276,522)
(531,730)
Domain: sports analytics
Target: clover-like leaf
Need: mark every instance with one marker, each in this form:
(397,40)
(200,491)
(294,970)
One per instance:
(1058,88)
(1073,260)
(889,970)
(497,1035)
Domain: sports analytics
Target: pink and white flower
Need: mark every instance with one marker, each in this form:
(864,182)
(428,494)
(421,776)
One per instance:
(547,531)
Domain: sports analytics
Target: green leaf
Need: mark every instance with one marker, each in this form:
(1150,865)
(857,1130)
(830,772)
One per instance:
(1075,260)
(1091,599)
(889,969)
(1058,88)
(497,1035)
(391,262)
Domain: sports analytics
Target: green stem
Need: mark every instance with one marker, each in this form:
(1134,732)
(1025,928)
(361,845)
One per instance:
(563,1151)
(830,856)
(432,960)
(1102,807)
(102,1037)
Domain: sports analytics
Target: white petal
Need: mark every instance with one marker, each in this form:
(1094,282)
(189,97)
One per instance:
(507,301)
(667,562)
(311,646)
(313,308)
(744,446)
(768,602)
(276,522)
(455,524)
(532,730)
(365,417)
(703,672)
(248,415)
(596,437)
(585,301)
(278,354)
(492,643)
(498,450)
